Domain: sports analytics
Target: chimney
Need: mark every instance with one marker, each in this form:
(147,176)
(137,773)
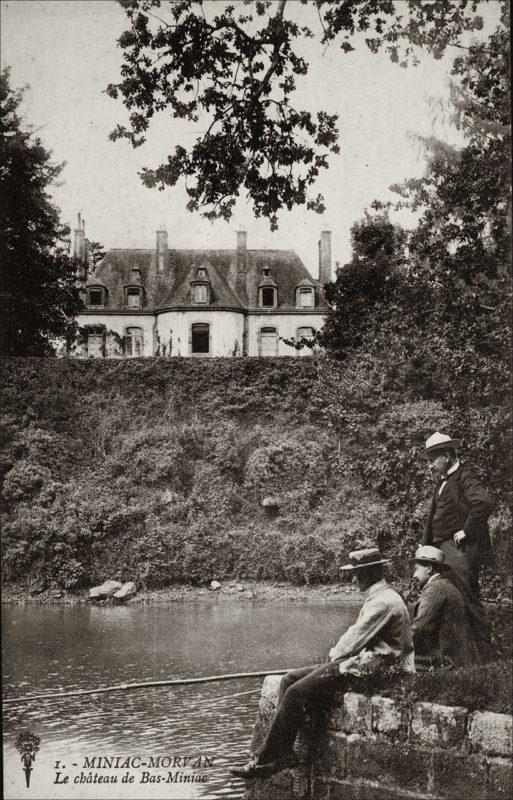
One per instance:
(325,257)
(79,239)
(161,248)
(242,251)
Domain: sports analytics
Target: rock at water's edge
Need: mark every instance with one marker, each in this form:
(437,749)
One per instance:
(107,589)
(127,590)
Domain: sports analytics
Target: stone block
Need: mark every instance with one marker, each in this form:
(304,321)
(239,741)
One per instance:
(491,733)
(336,712)
(389,717)
(376,791)
(389,763)
(500,778)
(331,757)
(459,775)
(277,787)
(357,714)
(437,726)
(266,709)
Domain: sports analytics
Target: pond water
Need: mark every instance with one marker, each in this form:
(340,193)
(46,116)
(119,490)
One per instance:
(53,648)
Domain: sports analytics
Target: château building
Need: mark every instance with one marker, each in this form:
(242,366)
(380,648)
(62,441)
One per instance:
(170,302)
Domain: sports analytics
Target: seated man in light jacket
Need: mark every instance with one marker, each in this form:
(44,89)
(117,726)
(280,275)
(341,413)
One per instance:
(441,635)
(381,636)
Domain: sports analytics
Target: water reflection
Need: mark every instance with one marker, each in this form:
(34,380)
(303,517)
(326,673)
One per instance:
(53,648)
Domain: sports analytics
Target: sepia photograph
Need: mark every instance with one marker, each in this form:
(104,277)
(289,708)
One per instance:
(255,399)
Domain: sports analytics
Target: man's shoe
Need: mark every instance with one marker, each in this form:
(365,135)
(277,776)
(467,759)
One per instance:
(253,769)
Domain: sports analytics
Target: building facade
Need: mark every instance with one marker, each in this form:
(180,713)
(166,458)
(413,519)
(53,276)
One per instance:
(172,302)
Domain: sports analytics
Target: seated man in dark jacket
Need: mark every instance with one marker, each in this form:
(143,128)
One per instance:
(441,635)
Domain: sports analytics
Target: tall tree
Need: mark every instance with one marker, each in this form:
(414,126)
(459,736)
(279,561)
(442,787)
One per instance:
(235,67)
(37,278)
(440,326)
(368,281)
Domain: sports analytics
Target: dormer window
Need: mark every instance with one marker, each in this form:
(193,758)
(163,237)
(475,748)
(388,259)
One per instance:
(306,297)
(268,294)
(200,287)
(96,297)
(134,296)
(305,294)
(267,290)
(200,293)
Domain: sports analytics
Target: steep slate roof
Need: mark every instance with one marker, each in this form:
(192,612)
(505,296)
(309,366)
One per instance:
(171,286)
(220,295)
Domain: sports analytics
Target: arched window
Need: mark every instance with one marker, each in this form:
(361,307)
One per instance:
(133,342)
(95,344)
(305,333)
(268,342)
(200,338)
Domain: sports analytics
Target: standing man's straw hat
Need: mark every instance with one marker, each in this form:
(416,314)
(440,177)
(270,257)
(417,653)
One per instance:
(439,441)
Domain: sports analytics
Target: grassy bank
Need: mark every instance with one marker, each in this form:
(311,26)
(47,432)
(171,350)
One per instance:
(156,470)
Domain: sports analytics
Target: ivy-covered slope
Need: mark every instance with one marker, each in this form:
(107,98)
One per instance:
(155,470)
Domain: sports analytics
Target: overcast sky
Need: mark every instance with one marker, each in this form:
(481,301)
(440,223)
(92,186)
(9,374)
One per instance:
(66,51)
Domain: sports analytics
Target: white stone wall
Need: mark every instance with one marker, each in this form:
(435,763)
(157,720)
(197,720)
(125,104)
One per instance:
(226,331)
(119,323)
(287,328)
(169,333)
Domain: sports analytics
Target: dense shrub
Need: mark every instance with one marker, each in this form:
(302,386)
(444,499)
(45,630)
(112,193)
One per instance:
(156,470)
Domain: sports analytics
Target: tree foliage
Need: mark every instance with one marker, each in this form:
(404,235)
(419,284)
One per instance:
(440,319)
(366,283)
(37,282)
(96,254)
(235,69)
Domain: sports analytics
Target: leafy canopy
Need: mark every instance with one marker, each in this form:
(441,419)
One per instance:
(437,318)
(37,280)
(235,69)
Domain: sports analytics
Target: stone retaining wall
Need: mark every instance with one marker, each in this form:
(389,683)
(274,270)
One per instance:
(375,748)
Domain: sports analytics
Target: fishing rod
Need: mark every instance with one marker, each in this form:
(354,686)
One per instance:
(144,685)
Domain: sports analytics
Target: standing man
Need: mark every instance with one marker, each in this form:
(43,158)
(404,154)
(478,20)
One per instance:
(458,525)
(441,636)
(380,636)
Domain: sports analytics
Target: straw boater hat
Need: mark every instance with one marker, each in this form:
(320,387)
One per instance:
(439,441)
(427,554)
(364,558)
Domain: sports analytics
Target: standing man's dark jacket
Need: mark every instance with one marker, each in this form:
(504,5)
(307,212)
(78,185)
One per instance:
(440,629)
(464,504)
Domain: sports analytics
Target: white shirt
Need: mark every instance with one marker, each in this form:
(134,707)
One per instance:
(449,472)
